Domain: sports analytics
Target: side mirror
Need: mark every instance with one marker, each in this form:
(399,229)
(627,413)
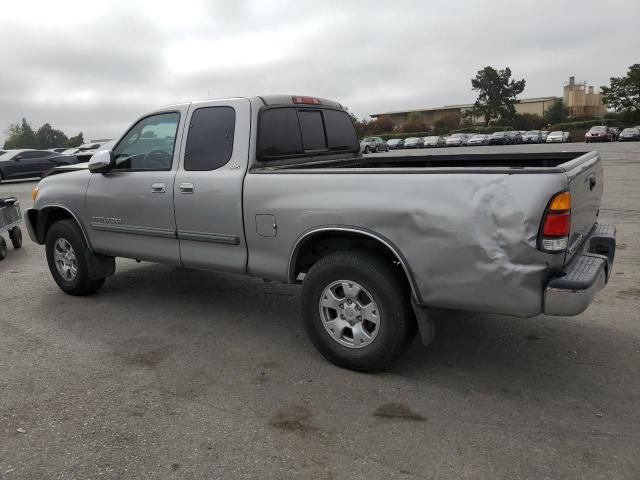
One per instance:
(101,161)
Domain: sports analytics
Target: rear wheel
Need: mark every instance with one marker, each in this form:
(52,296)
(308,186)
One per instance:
(357,310)
(16,237)
(67,256)
(3,248)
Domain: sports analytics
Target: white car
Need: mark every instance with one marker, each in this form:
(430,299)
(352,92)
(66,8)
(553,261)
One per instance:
(457,140)
(558,137)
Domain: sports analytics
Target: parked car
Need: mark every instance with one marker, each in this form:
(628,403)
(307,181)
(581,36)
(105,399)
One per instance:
(414,142)
(377,258)
(434,141)
(532,136)
(395,144)
(557,136)
(630,135)
(515,136)
(500,138)
(543,134)
(597,134)
(15,164)
(373,144)
(478,139)
(457,140)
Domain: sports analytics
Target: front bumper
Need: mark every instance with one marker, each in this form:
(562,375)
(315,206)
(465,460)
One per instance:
(573,290)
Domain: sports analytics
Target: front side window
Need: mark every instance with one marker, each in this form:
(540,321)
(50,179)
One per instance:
(149,144)
(210,140)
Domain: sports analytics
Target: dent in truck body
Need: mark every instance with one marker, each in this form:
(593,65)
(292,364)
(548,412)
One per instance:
(470,241)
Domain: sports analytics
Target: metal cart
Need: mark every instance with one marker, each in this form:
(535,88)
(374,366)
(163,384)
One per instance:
(10,218)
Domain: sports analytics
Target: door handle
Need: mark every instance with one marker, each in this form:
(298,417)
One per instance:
(186,188)
(592,181)
(158,187)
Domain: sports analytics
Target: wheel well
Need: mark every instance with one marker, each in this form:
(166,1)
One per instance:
(48,217)
(316,246)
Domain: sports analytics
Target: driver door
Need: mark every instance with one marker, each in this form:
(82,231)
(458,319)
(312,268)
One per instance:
(130,207)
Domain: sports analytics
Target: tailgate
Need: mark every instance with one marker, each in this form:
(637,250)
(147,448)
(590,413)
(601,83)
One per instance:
(585,184)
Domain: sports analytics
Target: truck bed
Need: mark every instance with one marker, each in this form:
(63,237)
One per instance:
(545,162)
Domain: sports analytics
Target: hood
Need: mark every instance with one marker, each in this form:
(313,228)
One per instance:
(67,168)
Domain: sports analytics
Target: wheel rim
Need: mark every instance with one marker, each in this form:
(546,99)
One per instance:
(349,314)
(64,257)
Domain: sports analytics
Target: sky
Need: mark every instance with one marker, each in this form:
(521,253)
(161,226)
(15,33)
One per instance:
(94,67)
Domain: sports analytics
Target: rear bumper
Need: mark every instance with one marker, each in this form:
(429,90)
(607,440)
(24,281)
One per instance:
(573,290)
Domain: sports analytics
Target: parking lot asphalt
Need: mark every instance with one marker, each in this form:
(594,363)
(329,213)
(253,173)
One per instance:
(171,373)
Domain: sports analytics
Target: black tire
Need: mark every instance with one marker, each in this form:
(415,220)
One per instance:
(390,293)
(375,149)
(3,248)
(16,237)
(366,149)
(81,284)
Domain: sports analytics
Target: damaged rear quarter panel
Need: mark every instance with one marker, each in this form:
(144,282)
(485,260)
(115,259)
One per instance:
(469,239)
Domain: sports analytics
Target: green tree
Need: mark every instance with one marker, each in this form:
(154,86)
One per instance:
(49,137)
(20,135)
(496,93)
(623,93)
(555,113)
(526,121)
(75,141)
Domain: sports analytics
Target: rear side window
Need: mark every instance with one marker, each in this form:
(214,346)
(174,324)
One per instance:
(210,139)
(295,132)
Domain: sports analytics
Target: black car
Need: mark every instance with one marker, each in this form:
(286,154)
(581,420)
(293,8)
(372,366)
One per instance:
(515,136)
(15,164)
(500,138)
(629,135)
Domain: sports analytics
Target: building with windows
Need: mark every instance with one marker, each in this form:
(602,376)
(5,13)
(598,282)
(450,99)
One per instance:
(579,101)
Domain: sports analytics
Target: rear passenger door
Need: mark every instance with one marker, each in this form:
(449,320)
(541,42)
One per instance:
(208,187)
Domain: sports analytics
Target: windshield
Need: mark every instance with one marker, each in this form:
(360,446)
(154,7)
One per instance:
(412,139)
(498,134)
(532,132)
(431,138)
(555,134)
(635,131)
(457,135)
(369,139)
(394,141)
(598,129)
(478,135)
(9,155)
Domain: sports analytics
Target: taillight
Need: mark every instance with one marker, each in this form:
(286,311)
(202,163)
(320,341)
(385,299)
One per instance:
(556,224)
(306,100)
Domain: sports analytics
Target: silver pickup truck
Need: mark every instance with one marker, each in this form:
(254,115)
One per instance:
(276,187)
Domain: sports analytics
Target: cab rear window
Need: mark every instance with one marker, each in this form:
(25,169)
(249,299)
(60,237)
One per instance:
(285,132)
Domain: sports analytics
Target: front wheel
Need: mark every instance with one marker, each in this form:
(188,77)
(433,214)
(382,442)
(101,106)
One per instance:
(67,256)
(3,248)
(366,150)
(357,310)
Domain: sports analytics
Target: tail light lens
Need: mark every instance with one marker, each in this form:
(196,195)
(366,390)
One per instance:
(556,224)
(306,100)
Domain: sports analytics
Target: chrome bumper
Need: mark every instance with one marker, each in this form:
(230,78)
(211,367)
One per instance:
(573,290)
